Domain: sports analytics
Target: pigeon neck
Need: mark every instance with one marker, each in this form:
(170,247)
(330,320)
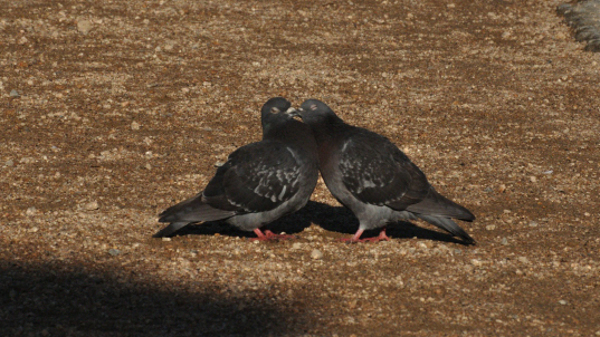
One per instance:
(272,124)
(325,131)
(282,131)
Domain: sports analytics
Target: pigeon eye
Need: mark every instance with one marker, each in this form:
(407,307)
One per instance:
(313,107)
(275,110)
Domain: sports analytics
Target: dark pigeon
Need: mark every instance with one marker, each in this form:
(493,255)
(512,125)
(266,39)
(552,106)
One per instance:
(374,179)
(260,182)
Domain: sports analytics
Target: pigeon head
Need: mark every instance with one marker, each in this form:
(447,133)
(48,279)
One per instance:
(315,112)
(275,112)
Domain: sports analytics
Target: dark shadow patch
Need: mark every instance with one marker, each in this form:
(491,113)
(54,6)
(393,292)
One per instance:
(334,219)
(63,300)
(212,228)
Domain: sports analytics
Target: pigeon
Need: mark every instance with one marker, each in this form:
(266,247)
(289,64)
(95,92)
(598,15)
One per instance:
(369,175)
(260,182)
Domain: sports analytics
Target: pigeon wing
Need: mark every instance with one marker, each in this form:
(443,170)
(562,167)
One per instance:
(261,176)
(376,172)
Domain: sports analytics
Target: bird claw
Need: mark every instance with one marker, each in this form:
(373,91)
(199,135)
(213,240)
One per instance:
(356,238)
(270,236)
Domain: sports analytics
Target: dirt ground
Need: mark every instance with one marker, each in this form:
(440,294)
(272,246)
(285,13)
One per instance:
(112,111)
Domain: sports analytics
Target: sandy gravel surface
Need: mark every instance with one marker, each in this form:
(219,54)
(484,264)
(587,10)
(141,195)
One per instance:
(113,110)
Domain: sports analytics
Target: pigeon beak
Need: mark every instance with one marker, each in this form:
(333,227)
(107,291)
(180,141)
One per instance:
(292,112)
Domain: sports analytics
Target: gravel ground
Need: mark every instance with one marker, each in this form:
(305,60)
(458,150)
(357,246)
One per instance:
(114,110)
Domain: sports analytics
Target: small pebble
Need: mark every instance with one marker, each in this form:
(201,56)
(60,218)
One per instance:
(91,206)
(533,224)
(296,246)
(114,252)
(476,263)
(14,93)
(9,163)
(533,179)
(84,26)
(31,211)
(562,302)
(169,239)
(316,254)
(504,241)
(490,227)
(135,125)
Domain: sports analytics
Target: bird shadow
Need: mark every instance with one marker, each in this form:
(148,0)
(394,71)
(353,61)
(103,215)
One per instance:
(331,218)
(340,219)
(59,299)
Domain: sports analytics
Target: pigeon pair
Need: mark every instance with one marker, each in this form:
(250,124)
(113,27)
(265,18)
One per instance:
(364,171)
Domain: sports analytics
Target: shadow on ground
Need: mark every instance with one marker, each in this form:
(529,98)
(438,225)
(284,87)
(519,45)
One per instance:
(59,300)
(334,219)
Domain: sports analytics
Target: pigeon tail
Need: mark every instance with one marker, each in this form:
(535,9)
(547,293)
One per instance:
(194,210)
(448,225)
(170,229)
(189,211)
(438,205)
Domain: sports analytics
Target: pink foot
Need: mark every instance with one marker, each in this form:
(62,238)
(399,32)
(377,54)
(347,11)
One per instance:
(270,236)
(356,238)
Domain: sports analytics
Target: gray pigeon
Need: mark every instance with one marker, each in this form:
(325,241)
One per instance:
(260,182)
(374,179)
